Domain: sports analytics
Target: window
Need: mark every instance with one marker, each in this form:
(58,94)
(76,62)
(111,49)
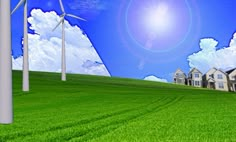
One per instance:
(196,75)
(221,85)
(234,77)
(211,76)
(179,75)
(220,76)
(196,83)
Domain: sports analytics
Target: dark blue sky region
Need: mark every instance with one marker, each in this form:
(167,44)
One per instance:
(129,42)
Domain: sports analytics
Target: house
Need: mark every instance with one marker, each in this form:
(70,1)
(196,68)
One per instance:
(232,79)
(216,79)
(194,78)
(208,79)
(180,77)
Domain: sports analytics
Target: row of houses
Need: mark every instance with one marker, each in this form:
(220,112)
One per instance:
(213,79)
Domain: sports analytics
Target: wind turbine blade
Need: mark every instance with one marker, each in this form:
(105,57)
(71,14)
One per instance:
(58,23)
(18,5)
(70,15)
(62,7)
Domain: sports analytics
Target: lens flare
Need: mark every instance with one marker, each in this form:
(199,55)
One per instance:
(158,26)
(155,29)
(158,18)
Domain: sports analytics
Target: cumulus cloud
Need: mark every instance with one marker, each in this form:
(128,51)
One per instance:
(45,47)
(154,78)
(209,56)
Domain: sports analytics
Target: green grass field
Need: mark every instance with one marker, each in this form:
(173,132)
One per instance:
(103,109)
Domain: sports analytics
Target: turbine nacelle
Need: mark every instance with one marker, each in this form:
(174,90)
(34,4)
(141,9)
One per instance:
(62,16)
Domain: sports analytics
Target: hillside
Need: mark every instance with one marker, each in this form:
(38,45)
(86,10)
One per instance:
(95,108)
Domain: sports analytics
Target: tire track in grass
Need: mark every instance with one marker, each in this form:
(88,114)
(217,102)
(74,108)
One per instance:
(83,131)
(81,122)
(72,124)
(107,128)
(102,129)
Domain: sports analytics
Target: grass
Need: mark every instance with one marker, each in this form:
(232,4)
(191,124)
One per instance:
(103,109)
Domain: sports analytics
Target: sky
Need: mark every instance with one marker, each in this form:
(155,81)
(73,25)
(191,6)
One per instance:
(130,38)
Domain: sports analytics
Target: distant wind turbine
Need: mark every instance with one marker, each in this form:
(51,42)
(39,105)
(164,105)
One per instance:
(6,113)
(63,59)
(25,86)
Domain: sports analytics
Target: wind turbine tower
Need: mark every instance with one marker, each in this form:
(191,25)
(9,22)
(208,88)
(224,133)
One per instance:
(6,113)
(25,83)
(63,58)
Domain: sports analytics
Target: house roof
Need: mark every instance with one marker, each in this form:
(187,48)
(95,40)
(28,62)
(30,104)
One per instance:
(229,71)
(216,70)
(210,69)
(194,69)
(221,71)
(180,71)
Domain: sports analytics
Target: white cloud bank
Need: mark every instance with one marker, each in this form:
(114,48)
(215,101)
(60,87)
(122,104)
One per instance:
(45,47)
(154,78)
(208,56)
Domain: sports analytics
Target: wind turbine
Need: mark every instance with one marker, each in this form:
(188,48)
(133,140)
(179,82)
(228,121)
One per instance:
(6,113)
(63,59)
(25,86)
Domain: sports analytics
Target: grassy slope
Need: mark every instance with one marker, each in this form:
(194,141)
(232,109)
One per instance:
(91,108)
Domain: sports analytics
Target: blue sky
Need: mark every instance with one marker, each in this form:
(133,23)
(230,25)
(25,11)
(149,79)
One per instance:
(136,38)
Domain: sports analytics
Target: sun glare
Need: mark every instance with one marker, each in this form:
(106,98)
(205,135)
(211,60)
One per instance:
(158,18)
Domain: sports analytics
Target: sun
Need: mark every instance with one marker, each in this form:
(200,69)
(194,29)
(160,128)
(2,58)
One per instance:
(158,18)
(158,25)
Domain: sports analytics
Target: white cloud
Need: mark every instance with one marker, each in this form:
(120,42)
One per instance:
(88,5)
(45,47)
(209,57)
(154,78)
